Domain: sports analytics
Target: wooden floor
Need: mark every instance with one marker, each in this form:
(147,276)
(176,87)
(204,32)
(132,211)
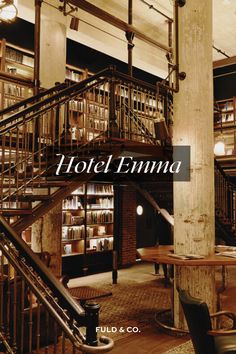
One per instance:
(154,341)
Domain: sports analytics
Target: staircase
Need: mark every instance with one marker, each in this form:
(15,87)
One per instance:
(225,204)
(41,129)
(34,134)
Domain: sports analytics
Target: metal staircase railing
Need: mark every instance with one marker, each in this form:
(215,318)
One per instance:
(77,119)
(139,124)
(225,193)
(36,311)
(50,124)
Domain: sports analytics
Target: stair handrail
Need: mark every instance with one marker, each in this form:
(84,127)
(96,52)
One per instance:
(166,215)
(64,299)
(138,82)
(68,92)
(35,111)
(32,99)
(139,123)
(41,269)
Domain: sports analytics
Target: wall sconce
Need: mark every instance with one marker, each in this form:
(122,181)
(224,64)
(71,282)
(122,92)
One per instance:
(219,148)
(139,210)
(8,10)
(74,23)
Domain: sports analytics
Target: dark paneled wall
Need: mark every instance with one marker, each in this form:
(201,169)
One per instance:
(225,82)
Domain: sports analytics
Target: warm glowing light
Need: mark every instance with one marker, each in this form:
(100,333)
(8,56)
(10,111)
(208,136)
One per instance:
(219,149)
(139,210)
(8,12)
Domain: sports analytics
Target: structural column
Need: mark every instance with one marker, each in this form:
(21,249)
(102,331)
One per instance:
(46,232)
(52,45)
(193,125)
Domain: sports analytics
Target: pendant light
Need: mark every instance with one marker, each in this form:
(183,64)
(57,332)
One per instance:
(8,10)
(219,148)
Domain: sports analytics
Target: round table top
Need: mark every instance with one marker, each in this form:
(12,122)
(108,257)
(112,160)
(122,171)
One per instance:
(159,254)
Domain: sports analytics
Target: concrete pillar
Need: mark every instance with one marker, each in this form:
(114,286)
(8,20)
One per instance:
(46,232)
(193,125)
(46,236)
(52,45)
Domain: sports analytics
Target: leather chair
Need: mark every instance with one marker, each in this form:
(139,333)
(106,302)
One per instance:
(205,339)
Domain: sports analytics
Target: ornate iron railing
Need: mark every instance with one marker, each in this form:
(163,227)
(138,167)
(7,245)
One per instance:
(64,118)
(225,193)
(69,118)
(36,311)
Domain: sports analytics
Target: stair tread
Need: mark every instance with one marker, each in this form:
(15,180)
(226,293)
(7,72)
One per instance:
(15,211)
(28,198)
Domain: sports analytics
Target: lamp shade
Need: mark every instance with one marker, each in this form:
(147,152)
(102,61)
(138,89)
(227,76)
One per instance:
(219,148)
(8,11)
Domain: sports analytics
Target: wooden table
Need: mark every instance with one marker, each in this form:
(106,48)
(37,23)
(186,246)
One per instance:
(159,254)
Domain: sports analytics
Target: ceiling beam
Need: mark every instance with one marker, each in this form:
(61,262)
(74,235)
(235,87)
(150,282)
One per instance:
(224,62)
(116,22)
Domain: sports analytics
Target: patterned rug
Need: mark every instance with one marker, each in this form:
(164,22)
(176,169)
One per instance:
(185,348)
(131,305)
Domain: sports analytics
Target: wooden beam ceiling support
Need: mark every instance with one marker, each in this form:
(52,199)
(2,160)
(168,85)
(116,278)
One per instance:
(115,21)
(224,62)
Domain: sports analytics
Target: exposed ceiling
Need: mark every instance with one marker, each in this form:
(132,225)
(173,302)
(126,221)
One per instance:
(150,22)
(104,37)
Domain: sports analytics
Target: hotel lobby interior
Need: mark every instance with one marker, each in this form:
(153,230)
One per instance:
(118,176)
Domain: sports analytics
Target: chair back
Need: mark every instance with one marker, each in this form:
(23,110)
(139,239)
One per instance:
(199,323)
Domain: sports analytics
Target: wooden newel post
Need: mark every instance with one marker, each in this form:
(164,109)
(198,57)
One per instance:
(194,205)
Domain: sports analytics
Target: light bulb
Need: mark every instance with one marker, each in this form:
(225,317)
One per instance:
(219,149)
(139,210)
(8,13)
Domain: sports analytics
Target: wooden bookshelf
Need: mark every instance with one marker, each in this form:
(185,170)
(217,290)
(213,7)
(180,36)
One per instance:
(16,74)
(76,74)
(224,123)
(227,109)
(87,220)
(89,114)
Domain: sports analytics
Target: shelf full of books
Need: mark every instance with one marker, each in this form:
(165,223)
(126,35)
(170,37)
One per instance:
(87,220)
(16,74)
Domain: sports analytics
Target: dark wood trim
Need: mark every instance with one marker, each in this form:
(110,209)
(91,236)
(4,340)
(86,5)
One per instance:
(37,45)
(15,79)
(224,62)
